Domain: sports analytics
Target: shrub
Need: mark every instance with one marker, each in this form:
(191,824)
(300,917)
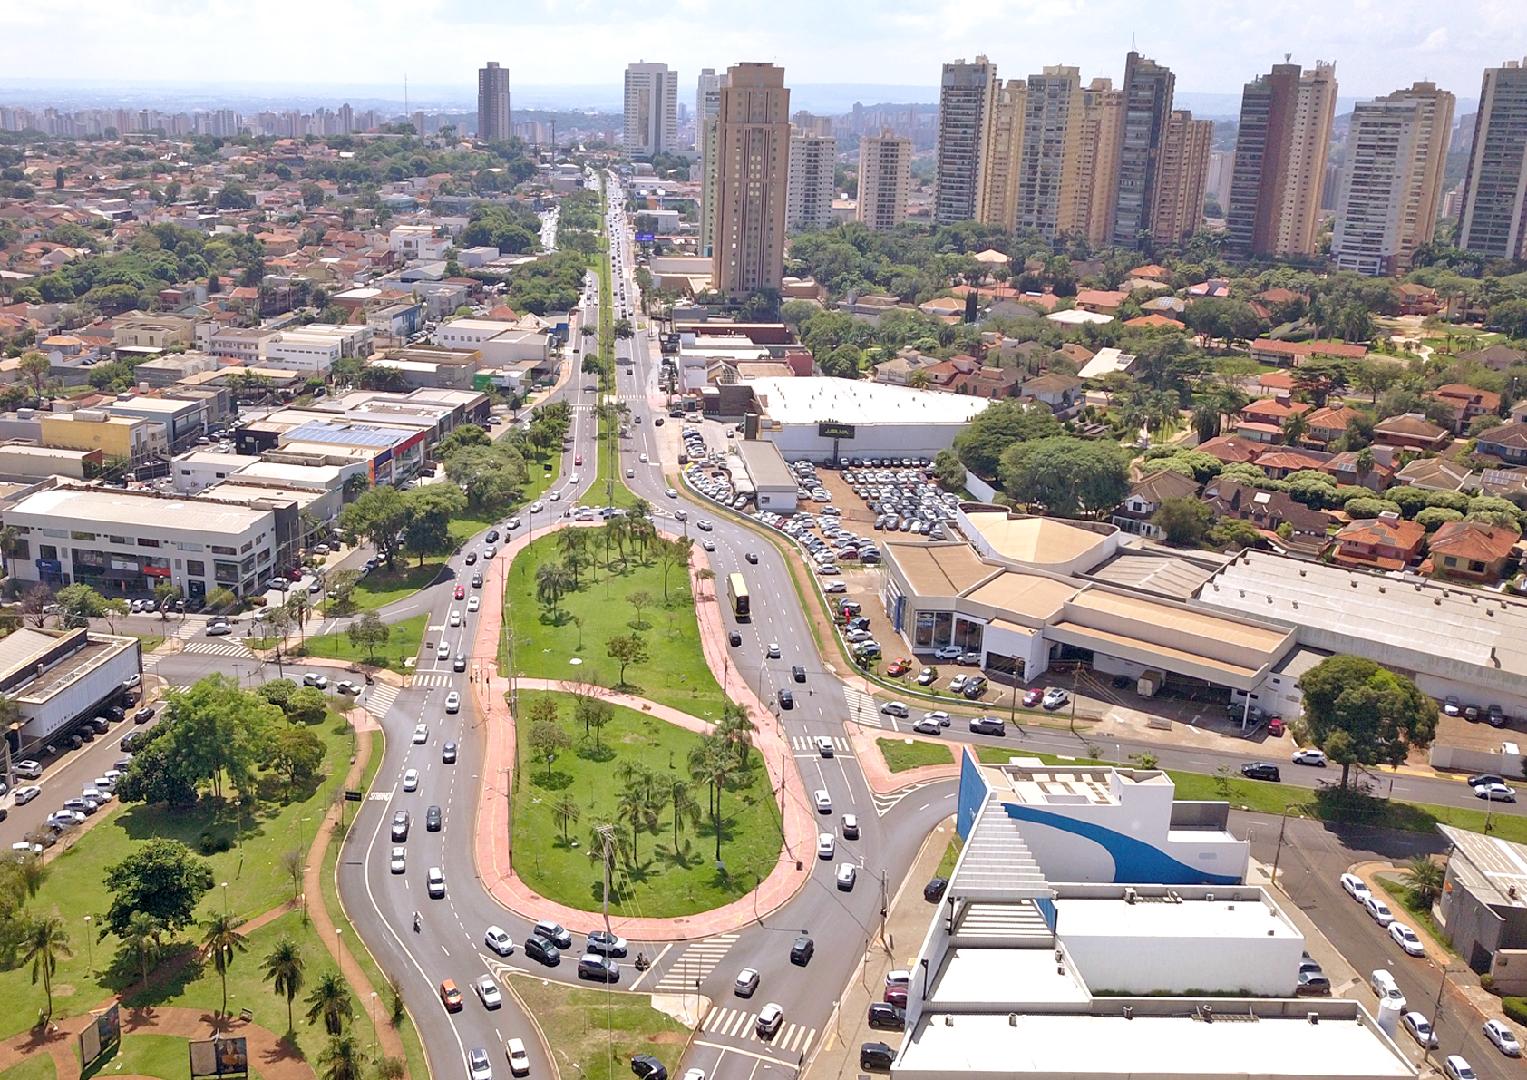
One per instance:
(1515,1008)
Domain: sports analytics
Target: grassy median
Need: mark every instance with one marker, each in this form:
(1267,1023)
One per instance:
(903,754)
(593,1035)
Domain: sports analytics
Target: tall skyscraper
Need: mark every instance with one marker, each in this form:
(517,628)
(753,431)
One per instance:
(1391,186)
(967,92)
(752,172)
(1004,149)
(808,194)
(1221,168)
(707,105)
(1051,129)
(493,103)
(1494,217)
(652,97)
(885,177)
(1148,90)
(1090,186)
(1280,160)
(1180,184)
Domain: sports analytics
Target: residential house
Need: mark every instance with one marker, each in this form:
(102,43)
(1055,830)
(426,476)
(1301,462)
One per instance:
(1329,423)
(1077,354)
(1062,393)
(1170,306)
(990,382)
(1507,442)
(1278,385)
(1387,542)
(944,307)
(1134,514)
(898,369)
(1232,449)
(1412,431)
(1495,357)
(1417,299)
(1294,353)
(1346,468)
(1102,301)
(1260,432)
(1269,511)
(1471,550)
(1214,287)
(1153,321)
(1279,463)
(1437,474)
(1273,411)
(1466,402)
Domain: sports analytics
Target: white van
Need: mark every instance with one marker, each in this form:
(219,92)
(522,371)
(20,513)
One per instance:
(1382,983)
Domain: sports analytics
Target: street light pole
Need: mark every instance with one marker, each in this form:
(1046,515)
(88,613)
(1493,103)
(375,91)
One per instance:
(90,944)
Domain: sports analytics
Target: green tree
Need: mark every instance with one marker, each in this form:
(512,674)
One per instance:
(552,582)
(36,369)
(368,631)
(1184,521)
(142,938)
(160,877)
(625,650)
(949,470)
(547,738)
(342,1059)
(283,970)
(713,763)
(1361,713)
(77,604)
(378,516)
(165,595)
(986,438)
(1067,476)
(44,941)
(295,752)
(221,940)
(330,1000)
(1424,878)
(567,811)
(639,600)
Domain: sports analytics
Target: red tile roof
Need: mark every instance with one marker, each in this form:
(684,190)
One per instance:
(1473,540)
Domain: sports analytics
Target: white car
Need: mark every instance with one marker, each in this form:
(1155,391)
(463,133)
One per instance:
(773,650)
(519,1060)
(453,702)
(1378,911)
(488,992)
(1495,792)
(949,652)
(313,678)
(822,800)
(824,845)
(421,734)
(435,880)
(27,793)
(411,780)
(455,617)
(1419,1028)
(1354,887)
(1503,1037)
(495,939)
(1406,939)
(1454,1067)
(847,874)
(478,1065)
(1308,755)
(398,862)
(474,603)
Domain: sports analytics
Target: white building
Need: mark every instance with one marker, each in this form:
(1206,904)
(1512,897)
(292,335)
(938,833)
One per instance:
(824,418)
(312,354)
(652,95)
(57,678)
(808,194)
(417,242)
(198,470)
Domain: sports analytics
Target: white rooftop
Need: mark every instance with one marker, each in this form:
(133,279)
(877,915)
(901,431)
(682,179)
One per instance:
(811,400)
(99,506)
(1076,317)
(1029,978)
(1194,918)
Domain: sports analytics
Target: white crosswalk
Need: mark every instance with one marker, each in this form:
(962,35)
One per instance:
(380,699)
(808,744)
(695,963)
(862,707)
(741,1024)
(217,648)
(437,679)
(151,661)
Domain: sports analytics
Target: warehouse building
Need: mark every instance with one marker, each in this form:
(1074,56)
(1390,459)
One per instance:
(60,678)
(827,419)
(773,484)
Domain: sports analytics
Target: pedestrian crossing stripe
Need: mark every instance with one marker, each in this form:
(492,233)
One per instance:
(433,678)
(809,742)
(695,963)
(217,648)
(741,1024)
(861,707)
(380,700)
(151,661)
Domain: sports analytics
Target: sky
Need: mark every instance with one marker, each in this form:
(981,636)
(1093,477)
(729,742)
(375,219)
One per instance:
(1212,45)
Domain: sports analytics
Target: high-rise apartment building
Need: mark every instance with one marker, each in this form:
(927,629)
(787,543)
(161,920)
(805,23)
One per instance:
(1391,186)
(967,93)
(1004,149)
(652,98)
(885,178)
(707,106)
(811,123)
(1052,128)
(1494,216)
(707,101)
(752,173)
(1221,169)
(1091,183)
(1280,161)
(492,103)
(808,194)
(1148,90)
(1181,179)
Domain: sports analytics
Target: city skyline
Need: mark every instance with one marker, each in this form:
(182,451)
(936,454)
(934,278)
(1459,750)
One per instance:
(1211,47)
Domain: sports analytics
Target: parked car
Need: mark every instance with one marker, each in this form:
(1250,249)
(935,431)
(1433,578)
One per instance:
(1454,1067)
(647,1067)
(1406,939)
(1054,698)
(877,1056)
(886,1017)
(934,891)
(1261,770)
(1419,1028)
(1503,1037)
(1378,911)
(1354,887)
(1313,984)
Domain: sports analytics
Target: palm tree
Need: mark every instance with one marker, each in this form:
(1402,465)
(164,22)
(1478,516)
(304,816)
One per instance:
(220,942)
(684,807)
(573,544)
(283,970)
(342,1059)
(633,809)
(1295,428)
(331,1000)
(142,937)
(736,731)
(44,940)
(567,811)
(712,763)
(1424,880)
(552,581)
(30,873)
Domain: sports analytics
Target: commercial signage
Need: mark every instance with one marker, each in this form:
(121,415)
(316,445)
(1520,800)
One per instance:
(220,1057)
(644,237)
(830,429)
(101,1035)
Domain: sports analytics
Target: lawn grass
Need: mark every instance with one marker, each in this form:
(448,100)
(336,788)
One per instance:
(403,645)
(903,754)
(661,883)
(383,586)
(1420,915)
(147,643)
(256,882)
(166,1056)
(608,488)
(675,673)
(575,1020)
(951,856)
(36,1067)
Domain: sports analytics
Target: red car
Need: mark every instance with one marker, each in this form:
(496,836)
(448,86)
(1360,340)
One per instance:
(450,997)
(1275,726)
(899,667)
(461,592)
(897,995)
(578,460)
(1033,698)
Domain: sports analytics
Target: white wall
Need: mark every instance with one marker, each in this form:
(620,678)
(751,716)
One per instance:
(797,441)
(73,700)
(1265,966)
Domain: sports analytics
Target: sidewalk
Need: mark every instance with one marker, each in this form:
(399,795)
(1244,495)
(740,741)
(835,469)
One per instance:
(837,1056)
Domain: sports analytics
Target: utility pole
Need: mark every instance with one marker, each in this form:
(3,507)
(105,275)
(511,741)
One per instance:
(1447,969)
(607,835)
(1278,854)
(883,908)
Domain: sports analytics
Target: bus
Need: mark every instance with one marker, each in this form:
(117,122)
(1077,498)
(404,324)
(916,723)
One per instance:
(737,591)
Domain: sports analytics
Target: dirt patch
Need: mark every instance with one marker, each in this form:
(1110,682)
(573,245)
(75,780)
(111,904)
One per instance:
(669,1038)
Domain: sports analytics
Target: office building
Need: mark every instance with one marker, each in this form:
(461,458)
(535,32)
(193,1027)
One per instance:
(809,191)
(885,177)
(1091,183)
(708,107)
(1494,217)
(1280,161)
(707,101)
(1391,187)
(1004,149)
(1184,172)
(967,93)
(752,174)
(1051,130)
(652,97)
(493,103)
(1148,90)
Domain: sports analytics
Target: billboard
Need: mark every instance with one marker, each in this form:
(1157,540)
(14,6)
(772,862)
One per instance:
(644,237)
(220,1057)
(830,429)
(101,1035)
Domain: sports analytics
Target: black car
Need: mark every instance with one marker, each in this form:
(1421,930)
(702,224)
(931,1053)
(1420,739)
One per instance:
(647,1067)
(734,639)
(877,1056)
(432,819)
(1261,770)
(131,739)
(887,1017)
(751,556)
(933,892)
(471,558)
(801,950)
(786,699)
(459,664)
(477,580)
(538,948)
(492,536)
(798,673)
(400,824)
(142,716)
(448,753)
